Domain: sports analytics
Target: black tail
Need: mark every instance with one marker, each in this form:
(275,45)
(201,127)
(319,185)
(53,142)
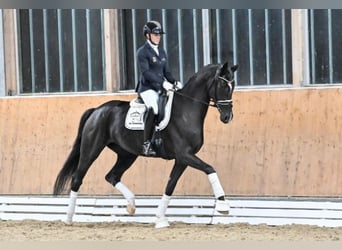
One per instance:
(71,163)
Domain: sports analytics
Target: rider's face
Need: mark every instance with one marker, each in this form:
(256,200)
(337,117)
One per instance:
(155,38)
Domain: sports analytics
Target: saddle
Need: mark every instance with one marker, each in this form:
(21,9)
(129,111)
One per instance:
(135,115)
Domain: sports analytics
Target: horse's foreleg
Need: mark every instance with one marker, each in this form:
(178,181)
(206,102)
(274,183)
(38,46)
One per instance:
(176,172)
(161,220)
(221,205)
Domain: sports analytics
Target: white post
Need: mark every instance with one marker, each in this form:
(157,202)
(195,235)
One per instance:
(2,59)
(300,47)
(206,36)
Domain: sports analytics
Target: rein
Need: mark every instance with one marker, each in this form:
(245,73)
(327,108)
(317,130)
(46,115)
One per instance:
(194,99)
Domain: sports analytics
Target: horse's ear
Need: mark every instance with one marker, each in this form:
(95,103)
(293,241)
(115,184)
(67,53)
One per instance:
(223,69)
(234,68)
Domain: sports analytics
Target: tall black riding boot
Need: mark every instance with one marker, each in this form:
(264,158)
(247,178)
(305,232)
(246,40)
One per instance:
(148,132)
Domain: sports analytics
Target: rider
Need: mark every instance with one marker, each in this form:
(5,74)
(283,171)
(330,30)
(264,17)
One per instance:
(154,69)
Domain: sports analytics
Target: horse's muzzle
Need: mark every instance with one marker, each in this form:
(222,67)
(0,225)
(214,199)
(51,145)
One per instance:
(226,110)
(227,117)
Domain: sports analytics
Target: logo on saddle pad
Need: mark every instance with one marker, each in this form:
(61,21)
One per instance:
(135,115)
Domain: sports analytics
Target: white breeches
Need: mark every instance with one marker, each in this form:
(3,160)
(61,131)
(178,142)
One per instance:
(150,98)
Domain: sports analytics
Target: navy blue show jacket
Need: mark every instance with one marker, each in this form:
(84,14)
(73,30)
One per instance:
(153,68)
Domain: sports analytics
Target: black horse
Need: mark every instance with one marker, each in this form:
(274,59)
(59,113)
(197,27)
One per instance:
(104,126)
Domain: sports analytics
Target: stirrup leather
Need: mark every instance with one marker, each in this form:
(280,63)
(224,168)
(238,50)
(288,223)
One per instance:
(147,149)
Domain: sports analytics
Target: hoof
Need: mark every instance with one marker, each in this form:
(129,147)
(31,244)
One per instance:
(222,207)
(162,223)
(67,222)
(131,207)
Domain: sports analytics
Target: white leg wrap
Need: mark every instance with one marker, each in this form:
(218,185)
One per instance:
(71,207)
(216,185)
(125,191)
(161,221)
(129,196)
(164,202)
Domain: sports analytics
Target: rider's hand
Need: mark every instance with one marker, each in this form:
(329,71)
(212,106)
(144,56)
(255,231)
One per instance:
(168,86)
(178,85)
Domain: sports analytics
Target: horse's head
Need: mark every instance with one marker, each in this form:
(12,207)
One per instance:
(221,91)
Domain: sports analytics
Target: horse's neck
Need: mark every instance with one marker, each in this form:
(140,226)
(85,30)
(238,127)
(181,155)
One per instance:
(197,90)
(197,87)
(196,94)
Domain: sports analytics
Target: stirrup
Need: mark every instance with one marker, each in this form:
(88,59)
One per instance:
(147,149)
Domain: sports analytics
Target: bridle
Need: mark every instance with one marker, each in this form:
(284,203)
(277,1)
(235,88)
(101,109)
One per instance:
(216,103)
(228,102)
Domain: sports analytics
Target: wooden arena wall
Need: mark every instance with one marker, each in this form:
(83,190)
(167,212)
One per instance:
(284,142)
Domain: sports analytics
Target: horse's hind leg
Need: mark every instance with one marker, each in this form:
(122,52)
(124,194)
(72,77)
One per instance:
(123,162)
(71,207)
(85,161)
(177,171)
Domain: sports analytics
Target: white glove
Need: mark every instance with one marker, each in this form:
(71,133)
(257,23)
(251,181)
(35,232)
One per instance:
(168,86)
(178,85)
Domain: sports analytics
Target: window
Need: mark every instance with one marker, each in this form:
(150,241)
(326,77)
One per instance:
(325,42)
(61,51)
(182,41)
(258,40)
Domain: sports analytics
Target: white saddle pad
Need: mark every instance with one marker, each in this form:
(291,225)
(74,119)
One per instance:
(135,115)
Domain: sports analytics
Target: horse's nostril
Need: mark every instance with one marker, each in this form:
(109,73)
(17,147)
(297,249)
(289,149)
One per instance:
(225,118)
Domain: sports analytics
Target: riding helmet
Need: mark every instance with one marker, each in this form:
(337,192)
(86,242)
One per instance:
(153,27)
